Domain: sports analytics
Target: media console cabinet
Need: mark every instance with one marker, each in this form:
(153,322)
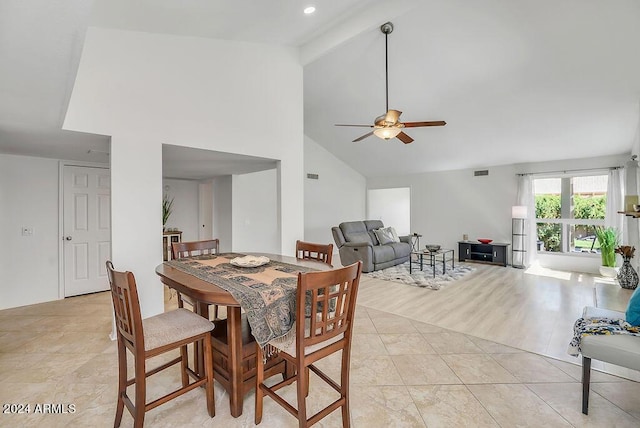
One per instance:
(472,251)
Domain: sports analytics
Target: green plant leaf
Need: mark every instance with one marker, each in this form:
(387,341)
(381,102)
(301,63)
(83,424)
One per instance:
(167,208)
(608,238)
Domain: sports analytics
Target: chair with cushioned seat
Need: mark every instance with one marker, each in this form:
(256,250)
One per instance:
(191,249)
(331,297)
(310,251)
(149,338)
(621,349)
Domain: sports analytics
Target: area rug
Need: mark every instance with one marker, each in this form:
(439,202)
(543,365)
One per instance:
(418,278)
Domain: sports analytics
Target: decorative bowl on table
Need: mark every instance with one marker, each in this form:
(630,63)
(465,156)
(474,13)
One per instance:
(249,261)
(485,241)
(432,248)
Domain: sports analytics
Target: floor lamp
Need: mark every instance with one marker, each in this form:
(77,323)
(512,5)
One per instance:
(518,236)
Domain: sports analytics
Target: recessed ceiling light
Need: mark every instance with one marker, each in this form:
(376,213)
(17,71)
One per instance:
(309,10)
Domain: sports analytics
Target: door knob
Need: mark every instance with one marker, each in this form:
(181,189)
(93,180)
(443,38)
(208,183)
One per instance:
(68,238)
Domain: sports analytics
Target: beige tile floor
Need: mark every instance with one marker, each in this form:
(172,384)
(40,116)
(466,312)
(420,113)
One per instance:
(405,372)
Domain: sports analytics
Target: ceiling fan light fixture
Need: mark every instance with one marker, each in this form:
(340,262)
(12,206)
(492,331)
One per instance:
(387,133)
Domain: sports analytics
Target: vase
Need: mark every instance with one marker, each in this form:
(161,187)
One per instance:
(627,276)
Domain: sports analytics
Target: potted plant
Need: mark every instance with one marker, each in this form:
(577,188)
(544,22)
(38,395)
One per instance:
(608,240)
(167,205)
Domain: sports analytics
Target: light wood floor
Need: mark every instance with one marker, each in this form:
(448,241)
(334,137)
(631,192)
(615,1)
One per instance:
(532,310)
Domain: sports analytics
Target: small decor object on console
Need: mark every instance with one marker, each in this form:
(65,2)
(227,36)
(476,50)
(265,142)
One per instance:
(485,241)
(627,276)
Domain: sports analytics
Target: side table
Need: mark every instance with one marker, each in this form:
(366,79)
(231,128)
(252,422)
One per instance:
(415,242)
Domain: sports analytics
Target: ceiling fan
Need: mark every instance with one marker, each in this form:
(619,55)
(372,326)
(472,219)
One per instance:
(388,125)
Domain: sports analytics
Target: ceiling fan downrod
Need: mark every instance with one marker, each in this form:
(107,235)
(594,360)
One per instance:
(386,28)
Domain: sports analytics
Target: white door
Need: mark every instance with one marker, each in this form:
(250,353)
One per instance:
(205,210)
(87,229)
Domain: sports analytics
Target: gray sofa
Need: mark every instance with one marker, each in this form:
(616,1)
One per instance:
(356,241)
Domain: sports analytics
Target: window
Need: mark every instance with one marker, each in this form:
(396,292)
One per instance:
(568,209)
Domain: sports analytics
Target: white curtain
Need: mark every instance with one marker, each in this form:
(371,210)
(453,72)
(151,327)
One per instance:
(526,198)
(615,202)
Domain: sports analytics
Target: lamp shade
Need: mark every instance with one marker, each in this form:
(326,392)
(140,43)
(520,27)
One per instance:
(387,133)
(519,211)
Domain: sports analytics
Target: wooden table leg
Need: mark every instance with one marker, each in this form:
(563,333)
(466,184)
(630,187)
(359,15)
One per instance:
(234,335)
(198,359)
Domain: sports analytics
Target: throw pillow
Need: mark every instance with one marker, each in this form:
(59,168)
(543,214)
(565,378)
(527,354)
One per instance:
(633,309)
(386,235)
(395,235)
(358,237)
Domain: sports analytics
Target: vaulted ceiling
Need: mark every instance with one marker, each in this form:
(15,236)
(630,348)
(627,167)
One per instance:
(516,81)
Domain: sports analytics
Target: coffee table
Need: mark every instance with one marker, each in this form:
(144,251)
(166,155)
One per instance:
(441,256)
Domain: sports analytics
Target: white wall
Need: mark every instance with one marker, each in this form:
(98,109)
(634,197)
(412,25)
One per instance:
(255,212)
(185,207)
(136,220)
(147,89)
(28,197)
(338,195)
(446,205)
(222,212)
(392,207)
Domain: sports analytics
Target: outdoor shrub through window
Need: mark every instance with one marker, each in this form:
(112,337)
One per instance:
(568,209)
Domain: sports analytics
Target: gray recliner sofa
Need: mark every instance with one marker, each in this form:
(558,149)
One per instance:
(356,241)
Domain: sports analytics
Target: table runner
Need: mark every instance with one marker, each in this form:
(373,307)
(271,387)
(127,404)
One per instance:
(266,293)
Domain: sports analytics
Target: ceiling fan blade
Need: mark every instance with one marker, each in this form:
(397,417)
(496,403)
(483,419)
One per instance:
(404,138)
(368,134)
(361,126)
(392,117)
(418,124)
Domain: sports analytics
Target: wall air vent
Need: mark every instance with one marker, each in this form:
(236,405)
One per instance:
(312,176)
(480,173)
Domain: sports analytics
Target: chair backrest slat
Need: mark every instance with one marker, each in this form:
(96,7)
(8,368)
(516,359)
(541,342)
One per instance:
(329,298)
(310,251)
(126,306)
(194,248)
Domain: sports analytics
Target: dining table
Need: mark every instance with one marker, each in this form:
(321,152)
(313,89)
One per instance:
(207,290)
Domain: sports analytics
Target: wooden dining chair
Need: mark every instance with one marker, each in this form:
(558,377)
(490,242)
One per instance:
(181,250)
(149,338)
(325,332)
(311,251)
